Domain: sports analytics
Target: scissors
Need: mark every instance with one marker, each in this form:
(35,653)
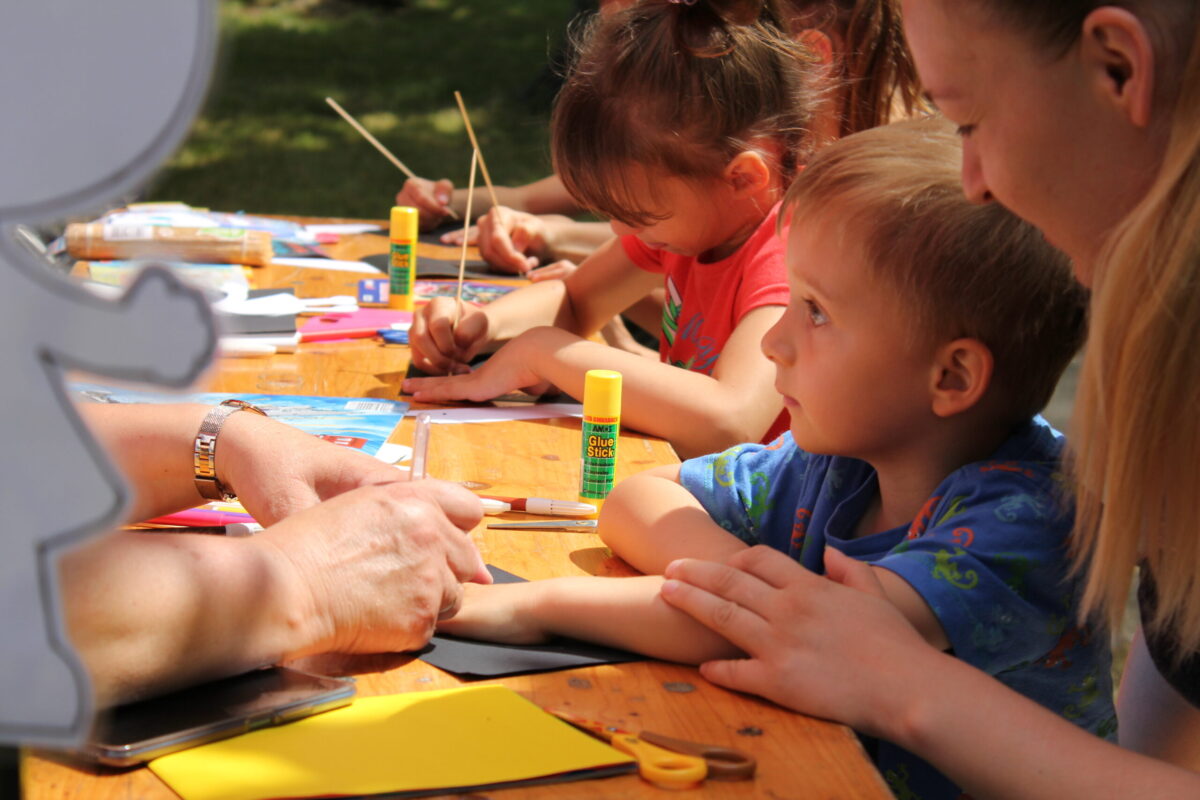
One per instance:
(547,525)
(668,762)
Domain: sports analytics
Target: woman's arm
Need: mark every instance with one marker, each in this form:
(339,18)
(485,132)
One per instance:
(836,648)
(368,571)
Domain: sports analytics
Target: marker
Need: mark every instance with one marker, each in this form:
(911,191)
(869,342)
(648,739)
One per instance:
(202,517)
(236,529)
(493,506)
(333,335)
(420,447)
(546,506)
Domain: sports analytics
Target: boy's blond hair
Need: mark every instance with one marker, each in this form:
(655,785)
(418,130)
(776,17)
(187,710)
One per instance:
(961,269)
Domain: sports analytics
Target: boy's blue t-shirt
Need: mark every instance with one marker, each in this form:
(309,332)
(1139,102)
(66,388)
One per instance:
(987,552)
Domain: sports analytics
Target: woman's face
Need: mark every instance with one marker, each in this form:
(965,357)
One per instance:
(1041,132)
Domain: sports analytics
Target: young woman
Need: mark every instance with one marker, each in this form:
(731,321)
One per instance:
(1085,119)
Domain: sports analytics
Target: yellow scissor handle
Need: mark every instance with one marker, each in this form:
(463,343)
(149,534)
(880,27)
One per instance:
(660,766)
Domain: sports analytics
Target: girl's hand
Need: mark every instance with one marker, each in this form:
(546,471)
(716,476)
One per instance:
(496,613)
(430,198)
(832,646)
(511,241)
(508,369)
(558,271)
(440,346)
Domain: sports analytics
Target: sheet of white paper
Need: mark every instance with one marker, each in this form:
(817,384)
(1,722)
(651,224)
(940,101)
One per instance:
(327,263)
(345,228)
(506,414)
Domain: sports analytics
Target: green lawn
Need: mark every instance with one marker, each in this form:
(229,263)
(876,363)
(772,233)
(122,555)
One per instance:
(267,142)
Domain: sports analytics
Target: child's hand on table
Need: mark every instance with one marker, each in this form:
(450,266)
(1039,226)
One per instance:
(508,369)
(439,345)
(497,613)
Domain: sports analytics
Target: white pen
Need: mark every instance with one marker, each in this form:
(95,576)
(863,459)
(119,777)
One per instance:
(546,506)
(420,447)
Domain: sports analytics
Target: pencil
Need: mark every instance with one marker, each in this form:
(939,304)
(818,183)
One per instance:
(378,145)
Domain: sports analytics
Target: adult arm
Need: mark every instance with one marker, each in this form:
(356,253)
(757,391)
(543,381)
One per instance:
(836,648)
(274,469)
(368,571)
(1155,719)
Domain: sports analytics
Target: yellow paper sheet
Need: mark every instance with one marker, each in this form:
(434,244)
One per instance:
(422,740)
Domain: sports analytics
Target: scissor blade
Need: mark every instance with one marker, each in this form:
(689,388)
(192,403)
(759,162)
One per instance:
(546,524)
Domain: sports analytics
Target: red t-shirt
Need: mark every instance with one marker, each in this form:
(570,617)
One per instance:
(705,302)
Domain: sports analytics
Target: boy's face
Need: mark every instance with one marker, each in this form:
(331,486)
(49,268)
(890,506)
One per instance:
(846,362)
(697,215)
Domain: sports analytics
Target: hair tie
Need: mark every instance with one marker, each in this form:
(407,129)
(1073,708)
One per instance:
(683,2)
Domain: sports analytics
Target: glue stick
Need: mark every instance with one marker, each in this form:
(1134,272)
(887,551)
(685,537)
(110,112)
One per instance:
(104,241)
(601,426)
(402,259)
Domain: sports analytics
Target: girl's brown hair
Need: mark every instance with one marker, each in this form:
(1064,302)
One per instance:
(871,61)
(677,89)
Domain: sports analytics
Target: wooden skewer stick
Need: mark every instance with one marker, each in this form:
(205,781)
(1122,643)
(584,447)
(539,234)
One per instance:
(378,145)
(475,143)
(462,261)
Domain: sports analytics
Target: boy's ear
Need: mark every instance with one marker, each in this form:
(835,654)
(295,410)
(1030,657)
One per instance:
(962,372)
(1117,50)
(819,43)
(748,172)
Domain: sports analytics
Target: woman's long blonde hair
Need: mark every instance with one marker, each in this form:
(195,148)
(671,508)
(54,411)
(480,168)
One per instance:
(1136,425)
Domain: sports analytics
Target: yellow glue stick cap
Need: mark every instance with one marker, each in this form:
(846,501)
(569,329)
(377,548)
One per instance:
(404,222)
(602,393)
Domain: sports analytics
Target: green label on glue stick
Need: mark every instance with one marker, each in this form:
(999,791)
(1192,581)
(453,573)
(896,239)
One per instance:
(400,269)
(599,459)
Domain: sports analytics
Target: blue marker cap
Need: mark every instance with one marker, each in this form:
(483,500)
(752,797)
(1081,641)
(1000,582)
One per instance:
(390,336)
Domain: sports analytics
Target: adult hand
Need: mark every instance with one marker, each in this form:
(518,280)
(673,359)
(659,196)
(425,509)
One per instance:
(439,346)
(380,565)
(430,198)
(508,369)
(831,646)
(277,470)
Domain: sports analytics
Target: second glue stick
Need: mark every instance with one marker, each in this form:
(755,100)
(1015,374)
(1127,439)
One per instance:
(402,258)
(601,428)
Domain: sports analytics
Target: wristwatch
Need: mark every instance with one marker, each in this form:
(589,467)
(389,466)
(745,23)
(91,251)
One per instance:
(204,450)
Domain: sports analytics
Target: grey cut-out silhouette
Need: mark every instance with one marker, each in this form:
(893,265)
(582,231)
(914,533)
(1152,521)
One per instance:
(96,96)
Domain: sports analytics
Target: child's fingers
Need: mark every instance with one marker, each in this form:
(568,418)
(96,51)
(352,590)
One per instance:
(852,572)
(559,270)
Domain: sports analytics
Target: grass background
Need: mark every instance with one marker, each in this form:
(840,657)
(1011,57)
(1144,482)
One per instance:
(267,142)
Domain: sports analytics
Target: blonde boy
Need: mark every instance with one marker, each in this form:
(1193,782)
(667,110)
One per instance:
(922,336)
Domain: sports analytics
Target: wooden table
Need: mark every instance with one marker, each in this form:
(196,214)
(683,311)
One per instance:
(798,756)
